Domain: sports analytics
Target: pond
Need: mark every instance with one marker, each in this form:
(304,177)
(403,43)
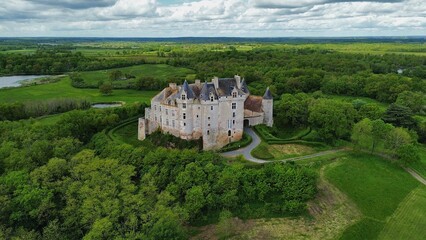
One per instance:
(106,105)
(15,81)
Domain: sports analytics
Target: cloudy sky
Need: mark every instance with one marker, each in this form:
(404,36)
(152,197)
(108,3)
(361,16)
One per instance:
(212,18)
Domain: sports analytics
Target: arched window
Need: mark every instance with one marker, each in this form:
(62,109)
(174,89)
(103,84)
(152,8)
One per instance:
(208,132)
(229,133)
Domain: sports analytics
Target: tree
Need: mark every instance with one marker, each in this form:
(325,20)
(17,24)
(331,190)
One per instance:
(331,119)
(106,88)
(399,116)
(292,109)
(397,137)
(371,111)
(115,75)
(362,133)
(408,154)
(225,228)
(416,101)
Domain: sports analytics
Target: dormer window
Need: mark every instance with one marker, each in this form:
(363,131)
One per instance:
(211,98)
(183,105)
(234,105)
(183,97)
(234,94)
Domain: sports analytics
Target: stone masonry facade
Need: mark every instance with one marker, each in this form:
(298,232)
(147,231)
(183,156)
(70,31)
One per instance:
(215,111)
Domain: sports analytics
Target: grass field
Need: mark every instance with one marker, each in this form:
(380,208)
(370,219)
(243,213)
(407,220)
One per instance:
(63,89)
(350,99)
(379,189)
(158,71)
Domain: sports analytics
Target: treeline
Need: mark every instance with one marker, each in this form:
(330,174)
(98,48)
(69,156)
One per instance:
(56,61)
(24,110)
(310,70)
(334,119)
(67,180)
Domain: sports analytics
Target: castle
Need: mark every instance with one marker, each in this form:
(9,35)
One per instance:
(215,111)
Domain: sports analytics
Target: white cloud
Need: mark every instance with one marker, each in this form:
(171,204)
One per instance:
(212,18)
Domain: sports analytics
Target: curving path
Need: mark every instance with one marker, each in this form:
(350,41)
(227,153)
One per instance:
(246,151)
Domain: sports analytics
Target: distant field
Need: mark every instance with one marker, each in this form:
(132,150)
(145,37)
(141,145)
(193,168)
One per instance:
(158,71)
(63,89)
(381,191)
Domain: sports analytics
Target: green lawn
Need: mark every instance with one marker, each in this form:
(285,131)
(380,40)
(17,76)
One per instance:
(408,220)
(63,89)
(127,133)
(379,189)
(349,99)
(158,71)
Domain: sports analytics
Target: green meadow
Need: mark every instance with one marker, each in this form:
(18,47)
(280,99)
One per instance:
(391,201)
(63,89)
(158,71)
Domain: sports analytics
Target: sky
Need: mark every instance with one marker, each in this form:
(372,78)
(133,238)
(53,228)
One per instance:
(212,18)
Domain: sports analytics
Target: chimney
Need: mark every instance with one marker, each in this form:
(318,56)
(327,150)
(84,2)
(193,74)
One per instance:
(197,82)
(173,86)
(215,81)
(238,80)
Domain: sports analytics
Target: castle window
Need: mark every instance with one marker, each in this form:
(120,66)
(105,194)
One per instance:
(184,124)
(211,98)
(234,105)
(233,122)
(208,125)
(183,105)
(173,123)
(183,97)
(208,132)
(167,122)
(208,118)
(197,116)
(160,108)
(233,114)
(229,133)
(173,113)
(184,115)
(234,94)
(155,107)
(211,108)
(167,112)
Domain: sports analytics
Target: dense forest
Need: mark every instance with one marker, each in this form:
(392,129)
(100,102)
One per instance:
(57,61)
(69,180)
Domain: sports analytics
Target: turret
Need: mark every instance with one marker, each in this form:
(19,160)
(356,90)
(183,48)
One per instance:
(267,107)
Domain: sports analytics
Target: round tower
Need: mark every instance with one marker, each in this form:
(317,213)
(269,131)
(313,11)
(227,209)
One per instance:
(267,107)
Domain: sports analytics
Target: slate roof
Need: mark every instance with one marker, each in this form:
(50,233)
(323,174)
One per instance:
(202,92)
(206,90)
(267,94)
(188,90)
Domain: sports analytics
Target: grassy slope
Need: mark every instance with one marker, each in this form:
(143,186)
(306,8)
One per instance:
(378,188)
(63,89)
(128,134)
(408,220)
